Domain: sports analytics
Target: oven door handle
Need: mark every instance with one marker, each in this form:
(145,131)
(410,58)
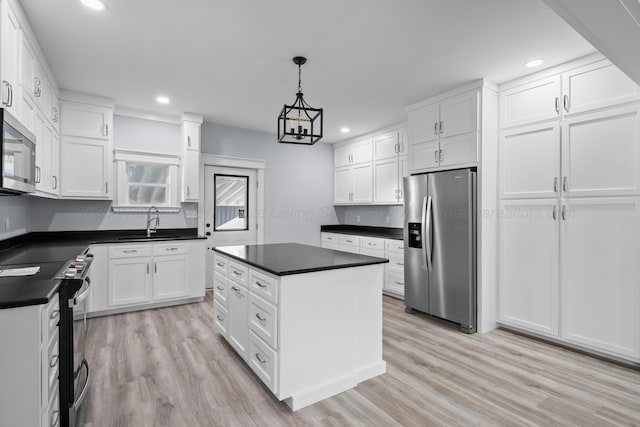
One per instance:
(77,300)
(80,398)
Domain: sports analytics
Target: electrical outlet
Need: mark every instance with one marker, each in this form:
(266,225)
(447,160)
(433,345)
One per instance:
(191,213)
(357,218)
(7,223)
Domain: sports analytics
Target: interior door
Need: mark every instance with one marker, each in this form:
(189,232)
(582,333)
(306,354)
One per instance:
(231,215)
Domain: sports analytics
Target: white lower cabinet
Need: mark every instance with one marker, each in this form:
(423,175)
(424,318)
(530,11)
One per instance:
(129,281)
(130,276)
(30,365)
(238,325)
(295,335)
(529,265)
(568,269)
(600,270)
(391,249)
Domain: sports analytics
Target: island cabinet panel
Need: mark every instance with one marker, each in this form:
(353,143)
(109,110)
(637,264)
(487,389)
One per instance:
(302,342)
(238,319)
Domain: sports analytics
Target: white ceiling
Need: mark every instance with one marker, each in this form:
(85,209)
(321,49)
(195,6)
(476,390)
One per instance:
(230,60)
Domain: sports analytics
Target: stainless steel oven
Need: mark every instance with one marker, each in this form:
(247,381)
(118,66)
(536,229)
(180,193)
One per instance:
(75,288)
(18,172)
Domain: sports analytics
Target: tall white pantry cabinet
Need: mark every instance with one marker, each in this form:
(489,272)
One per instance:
(569,217)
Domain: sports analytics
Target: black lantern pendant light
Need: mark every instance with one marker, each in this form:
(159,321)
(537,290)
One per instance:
(299,123)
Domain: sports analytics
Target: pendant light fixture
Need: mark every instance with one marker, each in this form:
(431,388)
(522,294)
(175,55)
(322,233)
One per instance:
(299,123)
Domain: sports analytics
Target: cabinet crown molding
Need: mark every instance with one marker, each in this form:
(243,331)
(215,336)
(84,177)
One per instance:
(370,135)
(84,98)
(475,84)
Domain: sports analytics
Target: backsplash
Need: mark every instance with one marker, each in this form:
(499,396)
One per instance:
(373,216)
(66,215)
(14,216)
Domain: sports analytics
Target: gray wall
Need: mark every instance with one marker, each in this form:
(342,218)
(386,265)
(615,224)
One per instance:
(16,210)
(129,134)
(298,187)
(375,216)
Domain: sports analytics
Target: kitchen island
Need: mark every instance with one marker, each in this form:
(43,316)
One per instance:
(307,320)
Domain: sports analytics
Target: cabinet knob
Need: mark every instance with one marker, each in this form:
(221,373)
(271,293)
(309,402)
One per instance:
(208,225)
(208,233)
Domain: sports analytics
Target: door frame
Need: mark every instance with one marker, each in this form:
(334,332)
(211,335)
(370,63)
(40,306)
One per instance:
(234,162)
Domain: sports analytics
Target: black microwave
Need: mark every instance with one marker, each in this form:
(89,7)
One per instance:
(18,150)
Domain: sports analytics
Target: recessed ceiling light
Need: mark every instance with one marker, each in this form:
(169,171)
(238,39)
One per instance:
(94,4)
(345,130)
(534,63)
(163,100)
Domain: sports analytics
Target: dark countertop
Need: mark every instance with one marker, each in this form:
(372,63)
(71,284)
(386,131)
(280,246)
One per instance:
(362,230)
(283,259)
(51,250)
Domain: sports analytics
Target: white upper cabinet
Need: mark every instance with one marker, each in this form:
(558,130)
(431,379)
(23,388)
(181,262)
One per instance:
(582,89)
(353,153)
(530,103)
(386,146)
(459,115)
(444,134)
(28,69)
(368,170)
(10,58)
(530,161)
(190,158)
(423,124)
(596,85)
(386,184)
(601,153)
(85,120)
(600,271)
(85,168)
(528,252)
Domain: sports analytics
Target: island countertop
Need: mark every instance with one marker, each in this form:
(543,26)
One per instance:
(283,259)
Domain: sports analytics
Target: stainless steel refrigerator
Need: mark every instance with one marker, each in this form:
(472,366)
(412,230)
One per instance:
(440,246)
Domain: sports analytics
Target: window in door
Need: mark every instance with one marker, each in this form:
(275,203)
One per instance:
(231,198)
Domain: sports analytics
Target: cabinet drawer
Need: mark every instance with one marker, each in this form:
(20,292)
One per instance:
(263,319)
(220,318)
(264,286)
(220,288)
(238,273)
(372,252)
(263,361)
(392,245)
(372,243)
(330,238)
(129,251)
(50,366)
(221,264)
(396,263)
(170,249)
(348,240)
(394,283)
(50,318)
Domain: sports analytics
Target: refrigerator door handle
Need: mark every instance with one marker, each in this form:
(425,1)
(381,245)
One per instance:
(426,232)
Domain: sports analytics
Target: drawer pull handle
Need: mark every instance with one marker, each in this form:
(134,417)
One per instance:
(220,288)
(400,263)
(260,318)
(54,314)
(349,241)
(399,283)
(372,244)
(260,284)
(130,251)
(219,264)
(237,273)
(220,318)
(171,249)
(54,361)
(260,359)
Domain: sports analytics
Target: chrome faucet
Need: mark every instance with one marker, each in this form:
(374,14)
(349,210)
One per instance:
(156,218)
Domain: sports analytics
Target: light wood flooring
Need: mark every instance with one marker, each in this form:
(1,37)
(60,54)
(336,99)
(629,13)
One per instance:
(169,367)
